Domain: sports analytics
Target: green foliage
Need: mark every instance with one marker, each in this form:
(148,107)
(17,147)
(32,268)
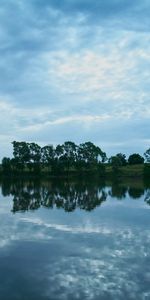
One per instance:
(135,159)
(26,152)
(34,153)
(69,158)
(6,165)
(116,163)
(122,158)
(117,160)
(147,170)
(91,154)
(47,154)
(21,152)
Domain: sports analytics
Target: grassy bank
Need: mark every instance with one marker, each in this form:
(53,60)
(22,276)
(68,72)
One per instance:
(105,171)
(134,171)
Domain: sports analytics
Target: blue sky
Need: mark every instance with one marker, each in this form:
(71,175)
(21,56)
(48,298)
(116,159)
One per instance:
(75,70)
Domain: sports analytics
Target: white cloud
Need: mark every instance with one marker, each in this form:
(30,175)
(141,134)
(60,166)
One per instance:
(82,66)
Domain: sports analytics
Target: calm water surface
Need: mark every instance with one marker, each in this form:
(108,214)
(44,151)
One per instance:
(74,241)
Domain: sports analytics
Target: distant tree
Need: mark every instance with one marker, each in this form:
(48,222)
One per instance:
(69,151)
(147,155)
(47,156)
(90,154)
(34,152)
(69,154)
(122,158)
(65,155)
(6,165)
(21,152)
(34,157)
(115,162)
(58,152)
(21,155)
(135,158)
(26,154)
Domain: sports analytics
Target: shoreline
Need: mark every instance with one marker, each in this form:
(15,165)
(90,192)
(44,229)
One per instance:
(106,172)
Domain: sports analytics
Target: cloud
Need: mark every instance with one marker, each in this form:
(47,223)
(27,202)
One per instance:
(79,62)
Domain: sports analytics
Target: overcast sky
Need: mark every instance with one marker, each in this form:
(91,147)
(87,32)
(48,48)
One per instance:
(75,70)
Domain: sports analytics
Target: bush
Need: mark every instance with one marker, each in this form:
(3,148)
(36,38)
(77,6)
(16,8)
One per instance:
(135,159)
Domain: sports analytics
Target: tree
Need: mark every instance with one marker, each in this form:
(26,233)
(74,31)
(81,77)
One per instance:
(118,160)
(115,162)
(147,155)
(34,152)
(122,158)
(47,156)
(58,159)
(58,152)
(26,154)
(35,157)
(6,165)
(66,154)
(90,154)
(135,159)
(21,154)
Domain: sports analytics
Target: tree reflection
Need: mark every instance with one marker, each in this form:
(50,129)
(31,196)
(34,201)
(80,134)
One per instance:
(147,197)
(135,192)
(68,196)
(31,195)
(117,190)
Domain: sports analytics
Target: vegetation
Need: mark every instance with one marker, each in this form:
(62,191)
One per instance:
(135,159)
(63,159)
(70,159)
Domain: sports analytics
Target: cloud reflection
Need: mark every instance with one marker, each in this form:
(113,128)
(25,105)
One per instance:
(101,254)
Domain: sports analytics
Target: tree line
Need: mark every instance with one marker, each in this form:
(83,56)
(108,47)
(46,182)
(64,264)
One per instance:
(65,158)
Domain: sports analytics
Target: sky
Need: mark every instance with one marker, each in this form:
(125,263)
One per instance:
(75,70)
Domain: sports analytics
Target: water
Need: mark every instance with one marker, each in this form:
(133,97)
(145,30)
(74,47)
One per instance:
(61,240)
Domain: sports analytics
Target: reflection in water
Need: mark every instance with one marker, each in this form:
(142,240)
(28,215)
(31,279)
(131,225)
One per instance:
(67,195)
(147,198)
(136,193)
(32,195)
(52,255)
(117,191)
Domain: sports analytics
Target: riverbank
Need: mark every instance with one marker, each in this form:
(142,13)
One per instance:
(129,171)
(104,171)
